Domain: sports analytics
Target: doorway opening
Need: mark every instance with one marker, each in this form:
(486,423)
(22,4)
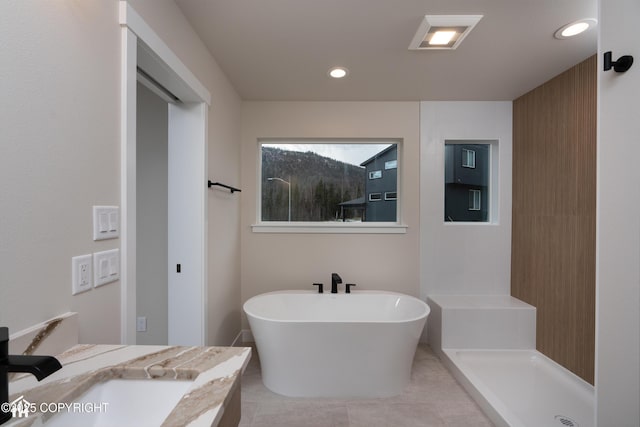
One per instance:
(152,223)
(179,308)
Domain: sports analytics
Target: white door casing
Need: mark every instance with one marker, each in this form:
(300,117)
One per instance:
(188,125)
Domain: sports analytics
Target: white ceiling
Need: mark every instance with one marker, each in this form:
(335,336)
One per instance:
(282,49)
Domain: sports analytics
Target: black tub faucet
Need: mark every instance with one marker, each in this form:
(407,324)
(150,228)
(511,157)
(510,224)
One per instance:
(335,281)
(40,366)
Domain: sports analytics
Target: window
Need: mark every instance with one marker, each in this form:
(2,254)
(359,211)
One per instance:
(475,197)
(467,177)
(391,164)
(468,158)
(327,182)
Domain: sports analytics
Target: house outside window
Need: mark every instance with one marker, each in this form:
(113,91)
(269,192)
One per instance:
(467,177)
(385,209)
(325,181)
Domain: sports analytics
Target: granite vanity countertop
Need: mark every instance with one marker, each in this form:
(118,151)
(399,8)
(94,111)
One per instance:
(215,372)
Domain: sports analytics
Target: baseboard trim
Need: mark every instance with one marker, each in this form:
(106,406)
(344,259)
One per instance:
(237,341)
(247,336)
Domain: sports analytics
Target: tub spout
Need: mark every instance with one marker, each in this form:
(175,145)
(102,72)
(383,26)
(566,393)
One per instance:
(40,366)
(335,281)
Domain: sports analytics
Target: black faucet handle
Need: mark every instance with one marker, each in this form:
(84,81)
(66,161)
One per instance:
(319,285)
(348,287)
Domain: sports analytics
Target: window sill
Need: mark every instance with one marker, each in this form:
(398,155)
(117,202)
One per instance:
(332,228)
(462,223)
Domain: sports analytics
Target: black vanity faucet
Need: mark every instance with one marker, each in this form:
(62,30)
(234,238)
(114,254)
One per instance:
(335,281)
(40,366)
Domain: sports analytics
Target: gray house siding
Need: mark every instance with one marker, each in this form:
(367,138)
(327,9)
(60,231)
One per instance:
(379,191)
(461,182)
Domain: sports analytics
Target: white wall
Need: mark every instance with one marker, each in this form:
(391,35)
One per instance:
(295,261)
(223,293)
(59,113)
(618,224)
(151,210)
(463,258)
(60,116)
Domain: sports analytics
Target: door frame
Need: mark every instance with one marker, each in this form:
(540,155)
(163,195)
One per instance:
(138,38)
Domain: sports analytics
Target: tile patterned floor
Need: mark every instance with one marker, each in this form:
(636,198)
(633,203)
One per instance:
(433,398)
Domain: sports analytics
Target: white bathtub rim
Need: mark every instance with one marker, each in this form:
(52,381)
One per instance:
(424,315)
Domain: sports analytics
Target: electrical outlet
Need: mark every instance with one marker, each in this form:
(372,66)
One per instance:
(81,274)
(141,324)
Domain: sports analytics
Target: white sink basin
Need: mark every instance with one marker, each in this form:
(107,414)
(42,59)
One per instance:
(128,403)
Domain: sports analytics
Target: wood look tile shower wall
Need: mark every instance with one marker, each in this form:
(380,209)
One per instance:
(554,213)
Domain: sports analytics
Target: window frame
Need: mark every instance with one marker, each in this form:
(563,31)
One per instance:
(386,227)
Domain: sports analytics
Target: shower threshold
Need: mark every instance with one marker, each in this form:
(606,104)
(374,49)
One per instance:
(523,388)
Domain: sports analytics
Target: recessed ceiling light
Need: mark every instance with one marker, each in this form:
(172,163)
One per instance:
(575,28)
(440,38)
(443,31)
(338,72)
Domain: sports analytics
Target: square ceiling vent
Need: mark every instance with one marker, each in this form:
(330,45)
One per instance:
(443,31)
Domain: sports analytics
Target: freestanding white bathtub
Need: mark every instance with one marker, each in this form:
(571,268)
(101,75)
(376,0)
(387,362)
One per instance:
(336,345)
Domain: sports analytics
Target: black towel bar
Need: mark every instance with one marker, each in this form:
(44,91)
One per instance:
(228,187)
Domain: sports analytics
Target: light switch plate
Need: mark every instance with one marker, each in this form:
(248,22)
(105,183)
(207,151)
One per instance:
(106,267)
(106,222)
(81,274)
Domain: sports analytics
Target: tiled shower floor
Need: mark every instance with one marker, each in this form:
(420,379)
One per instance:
(433,398)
